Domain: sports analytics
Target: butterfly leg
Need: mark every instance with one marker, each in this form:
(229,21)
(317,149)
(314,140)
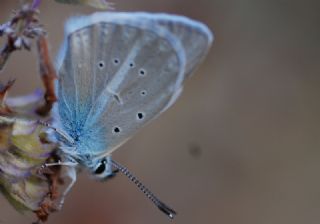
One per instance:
(72,174)
(111,172)
(59,163)
(64,135)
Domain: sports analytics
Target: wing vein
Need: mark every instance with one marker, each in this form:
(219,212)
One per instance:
(115,81)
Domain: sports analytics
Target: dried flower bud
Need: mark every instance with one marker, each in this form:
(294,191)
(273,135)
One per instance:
(24,147)
(18,43)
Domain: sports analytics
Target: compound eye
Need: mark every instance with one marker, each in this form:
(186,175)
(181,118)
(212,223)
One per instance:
(101,168)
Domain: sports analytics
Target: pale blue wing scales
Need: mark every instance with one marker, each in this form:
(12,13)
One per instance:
(74,88)
(143,64)
(160,87)
(100,68)
(149,76)
(160,58)
(84,71)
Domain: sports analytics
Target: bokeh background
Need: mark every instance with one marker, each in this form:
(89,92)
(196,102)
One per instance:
(242,143)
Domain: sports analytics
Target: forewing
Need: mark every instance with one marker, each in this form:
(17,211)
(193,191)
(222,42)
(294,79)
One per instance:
(118,72)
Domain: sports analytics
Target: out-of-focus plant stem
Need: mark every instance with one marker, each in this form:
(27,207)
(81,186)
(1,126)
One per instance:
(35,4)
(4,54)
(48,75)
(19,31)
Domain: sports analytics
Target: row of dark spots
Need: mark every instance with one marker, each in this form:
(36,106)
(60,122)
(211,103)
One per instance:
(142,72)
(101,63)
(116,61)
(117,130)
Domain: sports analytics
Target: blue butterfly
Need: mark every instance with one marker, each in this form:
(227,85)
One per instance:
(117,72)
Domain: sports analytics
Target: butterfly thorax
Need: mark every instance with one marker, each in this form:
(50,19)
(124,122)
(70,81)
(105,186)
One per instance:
(83,148)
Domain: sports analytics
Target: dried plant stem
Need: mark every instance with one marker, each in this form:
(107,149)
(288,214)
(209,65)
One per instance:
(48,75)
(35,4)
(4,54)
(19,31)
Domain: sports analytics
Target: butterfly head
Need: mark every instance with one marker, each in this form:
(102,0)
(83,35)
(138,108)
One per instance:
(101,168)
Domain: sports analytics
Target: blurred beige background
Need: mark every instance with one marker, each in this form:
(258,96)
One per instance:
(240,146)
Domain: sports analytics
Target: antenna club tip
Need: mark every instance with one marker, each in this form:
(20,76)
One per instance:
(165,209)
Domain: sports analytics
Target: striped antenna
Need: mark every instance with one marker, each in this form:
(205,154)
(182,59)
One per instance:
(162,206)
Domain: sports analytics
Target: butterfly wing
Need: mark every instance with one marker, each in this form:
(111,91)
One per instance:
(195,37)
(117,71)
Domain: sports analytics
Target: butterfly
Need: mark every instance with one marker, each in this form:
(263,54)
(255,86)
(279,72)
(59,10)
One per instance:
(117,71)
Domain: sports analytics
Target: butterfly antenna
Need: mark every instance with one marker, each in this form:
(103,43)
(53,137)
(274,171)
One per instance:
(162,206)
